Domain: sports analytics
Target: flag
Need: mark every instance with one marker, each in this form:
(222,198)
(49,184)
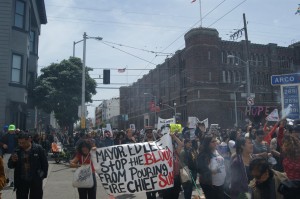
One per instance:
(298,10)
(121,70)
(273,117)
(193,1)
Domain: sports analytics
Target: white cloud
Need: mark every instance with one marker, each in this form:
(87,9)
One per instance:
(153,25)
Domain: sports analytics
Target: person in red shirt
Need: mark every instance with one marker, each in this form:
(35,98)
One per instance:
(291,152)
(83,157)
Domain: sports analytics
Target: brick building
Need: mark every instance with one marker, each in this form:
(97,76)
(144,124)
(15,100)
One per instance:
(201,79)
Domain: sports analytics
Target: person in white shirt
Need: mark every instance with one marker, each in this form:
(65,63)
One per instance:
(211,166)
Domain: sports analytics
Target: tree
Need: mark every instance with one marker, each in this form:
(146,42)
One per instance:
(58,89)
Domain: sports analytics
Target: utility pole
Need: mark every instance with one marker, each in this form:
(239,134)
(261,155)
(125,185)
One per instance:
(83,84)
(247,56)
(237,34)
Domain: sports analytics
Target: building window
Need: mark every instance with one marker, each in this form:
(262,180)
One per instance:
(32,41)
(208,55)
(223,76)
(209,76)
(16,69)
(20,14)
(228,77)
(223,54)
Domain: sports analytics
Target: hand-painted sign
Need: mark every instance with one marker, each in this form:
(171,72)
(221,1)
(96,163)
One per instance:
(258,110)
(132,168)
(162,122)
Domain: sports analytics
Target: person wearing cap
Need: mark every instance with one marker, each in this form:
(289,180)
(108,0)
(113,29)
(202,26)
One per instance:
(8,144)
(149,135)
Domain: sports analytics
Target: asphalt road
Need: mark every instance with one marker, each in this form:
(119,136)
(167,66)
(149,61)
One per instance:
(58,185)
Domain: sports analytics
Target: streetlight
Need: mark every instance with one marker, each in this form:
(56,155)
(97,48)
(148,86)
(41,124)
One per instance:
(174,108)
(76,42)
(154,106)
(235,107)
(85,37)
(247,72)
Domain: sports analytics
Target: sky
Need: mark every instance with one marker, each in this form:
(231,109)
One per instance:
(140,34)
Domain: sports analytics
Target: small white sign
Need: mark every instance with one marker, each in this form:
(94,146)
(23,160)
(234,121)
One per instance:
(250,101)
(273,117)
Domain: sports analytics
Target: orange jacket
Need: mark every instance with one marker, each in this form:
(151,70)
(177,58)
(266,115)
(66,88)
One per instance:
(54,147)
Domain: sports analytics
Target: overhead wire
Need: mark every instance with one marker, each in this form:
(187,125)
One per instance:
(149,62)
(149,51)
(227,13)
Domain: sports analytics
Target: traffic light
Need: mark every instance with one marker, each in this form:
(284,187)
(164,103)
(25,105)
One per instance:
(178,118)
(106,76)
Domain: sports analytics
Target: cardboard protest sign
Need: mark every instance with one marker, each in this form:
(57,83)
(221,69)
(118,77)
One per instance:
(162,122)
(132,126)
(176,128)
(192,122)
(273,116)
(108,127)
(133,168)
(205,122)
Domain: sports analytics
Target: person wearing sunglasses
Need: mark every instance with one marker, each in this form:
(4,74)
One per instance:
(265,181)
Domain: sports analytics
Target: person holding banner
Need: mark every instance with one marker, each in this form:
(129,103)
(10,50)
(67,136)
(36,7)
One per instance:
(83,157)
(188,158)
(173,193)
(150,138)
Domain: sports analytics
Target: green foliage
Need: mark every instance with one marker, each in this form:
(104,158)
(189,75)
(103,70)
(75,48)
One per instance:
(58,89)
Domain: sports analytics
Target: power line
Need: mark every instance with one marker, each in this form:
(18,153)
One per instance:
(125,12)
(194,25)
(74,20)
(125,68)
(130,54)
(227,13)
(149,51)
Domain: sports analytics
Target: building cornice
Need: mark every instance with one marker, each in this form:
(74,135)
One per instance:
(42,11)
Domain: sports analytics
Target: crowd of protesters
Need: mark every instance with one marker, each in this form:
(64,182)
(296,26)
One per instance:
(262,161)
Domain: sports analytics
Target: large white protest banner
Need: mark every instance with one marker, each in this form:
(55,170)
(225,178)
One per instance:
(132,168)
(162,122)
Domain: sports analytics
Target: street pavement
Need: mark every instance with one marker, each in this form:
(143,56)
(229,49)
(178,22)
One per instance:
(58,185)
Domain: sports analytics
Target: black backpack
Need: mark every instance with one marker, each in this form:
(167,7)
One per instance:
(289,188)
